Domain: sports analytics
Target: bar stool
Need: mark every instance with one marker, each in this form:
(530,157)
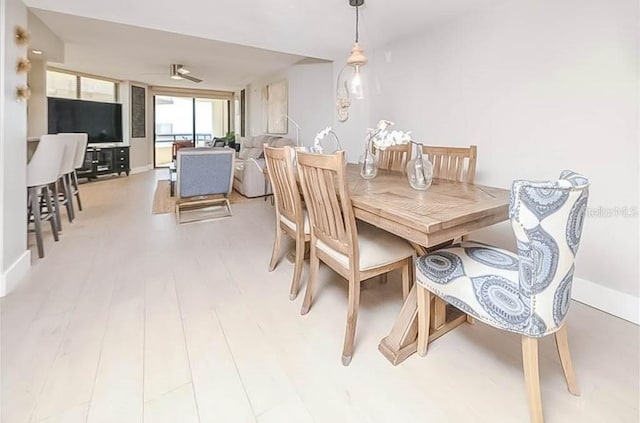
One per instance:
(43,171)
(78,161)
(66,170)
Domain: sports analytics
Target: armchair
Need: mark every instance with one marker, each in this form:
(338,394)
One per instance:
(204,179)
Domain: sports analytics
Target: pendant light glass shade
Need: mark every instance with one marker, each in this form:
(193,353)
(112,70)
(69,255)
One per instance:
(350,83)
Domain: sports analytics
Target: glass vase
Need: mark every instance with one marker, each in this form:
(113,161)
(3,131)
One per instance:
(368,164)
(419,170)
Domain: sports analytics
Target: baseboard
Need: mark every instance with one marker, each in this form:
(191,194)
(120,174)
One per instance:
(141,169)
(14,274)
(619,304)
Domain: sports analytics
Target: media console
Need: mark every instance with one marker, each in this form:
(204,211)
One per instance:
(105,159)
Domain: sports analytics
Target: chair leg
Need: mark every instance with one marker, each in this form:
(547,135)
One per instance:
(532,377)
(35,209)
(74,180)
(275,254)
(52,215)
(68,193)
(424,318)
(314,264)
(562,343)
(297,270)
(56,205)
(352,317)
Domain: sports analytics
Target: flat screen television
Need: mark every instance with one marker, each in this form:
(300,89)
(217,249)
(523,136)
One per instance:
(102,121)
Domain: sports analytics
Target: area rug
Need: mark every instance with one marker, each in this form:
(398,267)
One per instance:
(164,203)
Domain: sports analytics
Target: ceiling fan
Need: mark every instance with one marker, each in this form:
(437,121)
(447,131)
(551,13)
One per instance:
(180,72)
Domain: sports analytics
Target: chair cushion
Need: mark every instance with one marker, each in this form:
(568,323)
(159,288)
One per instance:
(482,281)
(292,225)
(377,248)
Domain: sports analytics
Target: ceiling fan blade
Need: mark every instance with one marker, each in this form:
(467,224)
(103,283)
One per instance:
(191,78)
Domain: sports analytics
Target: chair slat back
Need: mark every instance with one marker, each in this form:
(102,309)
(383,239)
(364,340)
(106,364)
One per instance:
(394,157)
(453,163)
(547,219)
(284,184)
(326,195)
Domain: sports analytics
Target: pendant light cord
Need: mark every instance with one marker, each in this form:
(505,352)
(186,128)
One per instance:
(357,23)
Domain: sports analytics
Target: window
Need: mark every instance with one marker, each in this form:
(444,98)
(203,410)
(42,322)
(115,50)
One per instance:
(70,85)
(61,85)
(97,89)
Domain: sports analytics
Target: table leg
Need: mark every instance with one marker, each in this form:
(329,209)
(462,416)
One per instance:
(402,341)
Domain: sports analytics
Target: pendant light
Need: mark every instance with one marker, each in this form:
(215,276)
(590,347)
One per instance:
(350,83)
(357,59)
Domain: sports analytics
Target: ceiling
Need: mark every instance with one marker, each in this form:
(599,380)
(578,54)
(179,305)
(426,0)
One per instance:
(131,39)
(132,53)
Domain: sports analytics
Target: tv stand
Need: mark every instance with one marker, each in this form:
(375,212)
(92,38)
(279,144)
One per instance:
(105,159)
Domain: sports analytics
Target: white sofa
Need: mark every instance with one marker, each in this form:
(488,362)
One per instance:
(248,177)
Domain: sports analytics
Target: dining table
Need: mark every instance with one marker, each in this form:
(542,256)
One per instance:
(428,219)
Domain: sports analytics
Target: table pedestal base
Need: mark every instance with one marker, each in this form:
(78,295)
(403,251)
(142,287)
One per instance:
(403,339)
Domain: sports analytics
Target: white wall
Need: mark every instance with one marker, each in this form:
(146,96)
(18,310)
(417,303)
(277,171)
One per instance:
(45,40)
(539,86)
(37,105)
(14,258)
(310,101)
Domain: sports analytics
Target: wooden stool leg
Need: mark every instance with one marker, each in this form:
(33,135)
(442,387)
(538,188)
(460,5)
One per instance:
(51,215)
(74,180)
(35,209)
(56,205)
(562,343)
(532,378)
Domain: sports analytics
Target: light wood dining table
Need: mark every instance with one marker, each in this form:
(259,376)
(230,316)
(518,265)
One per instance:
(446,211)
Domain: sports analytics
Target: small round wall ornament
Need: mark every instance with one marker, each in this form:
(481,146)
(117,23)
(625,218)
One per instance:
(22,35)
(23,65)
(23,92)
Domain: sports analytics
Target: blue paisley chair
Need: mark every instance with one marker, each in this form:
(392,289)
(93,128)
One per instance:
(527,293)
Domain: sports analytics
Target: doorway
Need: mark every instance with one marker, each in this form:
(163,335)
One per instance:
(181,121)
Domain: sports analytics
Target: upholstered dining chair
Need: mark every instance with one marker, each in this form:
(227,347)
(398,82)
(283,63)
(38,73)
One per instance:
(291,218)
(394,157)
(453,163)
(527,293)
(355,252)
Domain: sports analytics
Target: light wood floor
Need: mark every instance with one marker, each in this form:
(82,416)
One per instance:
(131,318)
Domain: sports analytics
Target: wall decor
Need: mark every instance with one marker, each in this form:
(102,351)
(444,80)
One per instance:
(138,112)
(277,107)
(243,116)
(23,65)
(21,35)
(23,92)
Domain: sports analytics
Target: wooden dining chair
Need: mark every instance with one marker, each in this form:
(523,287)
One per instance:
(394,157)
(527,293)
(355,252)
(453,163)
(291,218)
